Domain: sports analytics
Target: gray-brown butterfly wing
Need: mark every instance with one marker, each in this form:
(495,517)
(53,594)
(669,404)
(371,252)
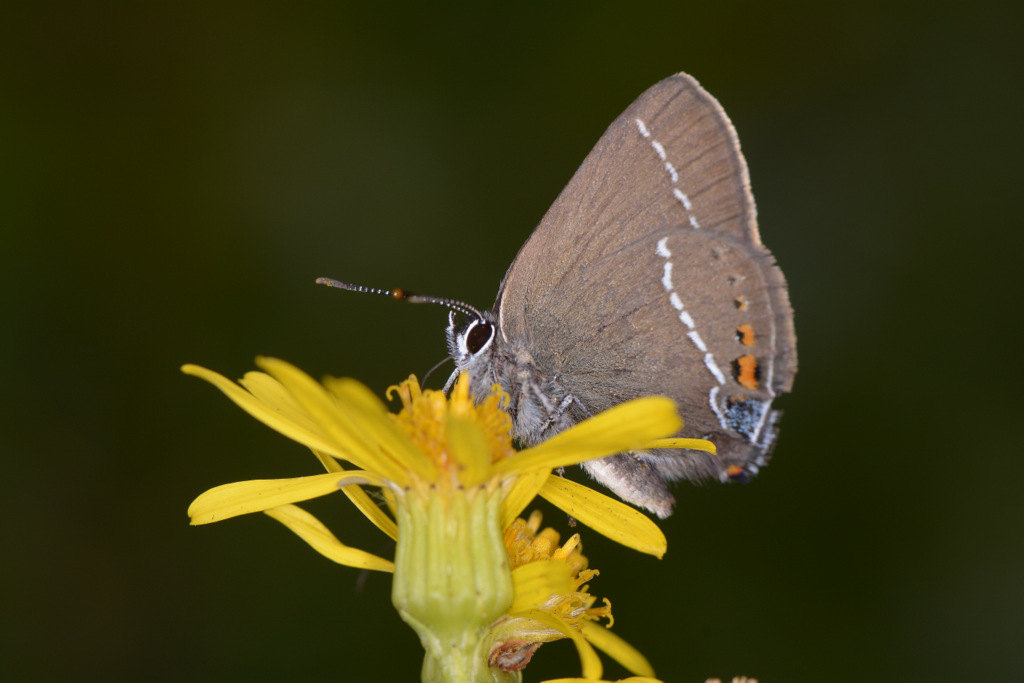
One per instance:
(648,276)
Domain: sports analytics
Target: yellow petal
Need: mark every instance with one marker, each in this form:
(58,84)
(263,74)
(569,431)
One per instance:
(589,661)
(367,412)
(262,412)
(616,648)
(243,497)
(523,491)
(605,515)
(356,394)
(360,440)
(468,445)
(272,393)
(313,532)
(534,582)
(630,679)
(362,500)
(692,444)
(330,463)
(625,427)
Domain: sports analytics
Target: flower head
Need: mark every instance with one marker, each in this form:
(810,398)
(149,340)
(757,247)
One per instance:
(553,601)
(452,483)
(434,442)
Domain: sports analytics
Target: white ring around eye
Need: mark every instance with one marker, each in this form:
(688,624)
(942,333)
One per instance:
(462,340)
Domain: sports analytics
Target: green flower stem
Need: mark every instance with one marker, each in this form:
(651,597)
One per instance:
(452,580)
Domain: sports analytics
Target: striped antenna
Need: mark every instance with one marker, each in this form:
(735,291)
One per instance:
(454,305)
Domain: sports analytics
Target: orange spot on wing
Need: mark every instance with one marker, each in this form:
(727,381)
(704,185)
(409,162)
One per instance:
(745,333)
(746,371)
(740,303)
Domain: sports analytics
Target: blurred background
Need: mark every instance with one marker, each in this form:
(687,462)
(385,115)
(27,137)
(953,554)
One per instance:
(174,177)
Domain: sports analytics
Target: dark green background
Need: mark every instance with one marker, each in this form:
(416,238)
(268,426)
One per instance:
(174,178)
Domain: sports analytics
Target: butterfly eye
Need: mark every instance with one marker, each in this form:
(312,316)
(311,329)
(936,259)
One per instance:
(478,336)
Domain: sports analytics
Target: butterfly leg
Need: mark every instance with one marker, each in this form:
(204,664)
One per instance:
(558,418)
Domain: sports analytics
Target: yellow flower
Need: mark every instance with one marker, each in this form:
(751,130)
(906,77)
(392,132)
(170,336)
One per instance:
(451,482)
(435,441)
(552,601)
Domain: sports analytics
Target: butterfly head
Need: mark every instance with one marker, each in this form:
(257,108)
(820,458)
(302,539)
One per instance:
(472,343)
